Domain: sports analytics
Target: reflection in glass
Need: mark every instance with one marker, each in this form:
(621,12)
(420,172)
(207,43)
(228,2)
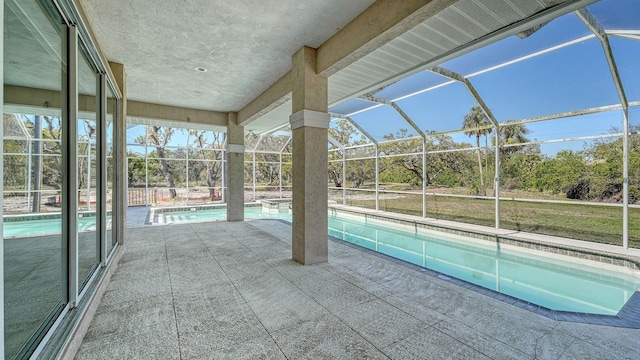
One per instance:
(33,247)
(86,146)
(110,175)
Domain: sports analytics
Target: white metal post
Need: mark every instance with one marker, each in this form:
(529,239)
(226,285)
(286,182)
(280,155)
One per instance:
(625,179)
(223,191)
(186,164)
(344,176)
(377,178)
(88,207)
(29,171)
(496,186)
(146,165)
(253,162)
(424,177)
(280,173)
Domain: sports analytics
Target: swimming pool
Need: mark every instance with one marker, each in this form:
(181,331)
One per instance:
(215,214)
(554,281)
(48,226)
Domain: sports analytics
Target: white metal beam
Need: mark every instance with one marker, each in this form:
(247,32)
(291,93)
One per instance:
(357,126)
(598,30)
(397,108)
(467,84)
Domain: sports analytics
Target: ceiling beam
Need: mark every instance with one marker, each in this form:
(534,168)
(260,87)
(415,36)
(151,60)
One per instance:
(380,23)
(174,113)
(276,95)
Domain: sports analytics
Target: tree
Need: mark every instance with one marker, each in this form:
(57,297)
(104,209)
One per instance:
(559,174)
(159,136)
(477,121)
(347,135)
(205,151)
(406,163)
(512,133)
(52,165)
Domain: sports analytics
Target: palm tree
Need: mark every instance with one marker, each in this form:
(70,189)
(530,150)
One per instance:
(511,134)
(476,121)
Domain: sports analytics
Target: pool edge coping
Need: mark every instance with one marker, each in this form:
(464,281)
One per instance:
(627,317)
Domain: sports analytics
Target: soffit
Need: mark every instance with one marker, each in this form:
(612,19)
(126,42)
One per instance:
(245,45)
(449,31)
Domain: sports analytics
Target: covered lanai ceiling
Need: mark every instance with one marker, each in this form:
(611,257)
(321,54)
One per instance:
(246,46)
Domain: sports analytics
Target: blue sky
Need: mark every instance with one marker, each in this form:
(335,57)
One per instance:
(568,79)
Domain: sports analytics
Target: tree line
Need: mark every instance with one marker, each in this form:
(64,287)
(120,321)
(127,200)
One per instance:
(593,172)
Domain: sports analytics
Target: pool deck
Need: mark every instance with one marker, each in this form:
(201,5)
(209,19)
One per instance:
(230,290)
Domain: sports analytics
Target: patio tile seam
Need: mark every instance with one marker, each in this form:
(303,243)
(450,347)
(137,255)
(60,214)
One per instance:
(239,292)
(319,304)
(433,327)
(334,313)
(493,338)
(173,298)
(337,274)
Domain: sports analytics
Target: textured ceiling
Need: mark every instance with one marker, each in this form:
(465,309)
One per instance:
(245,45)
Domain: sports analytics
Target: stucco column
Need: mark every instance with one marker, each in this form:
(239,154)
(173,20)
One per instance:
(309,123)
(120,155)
(234,172)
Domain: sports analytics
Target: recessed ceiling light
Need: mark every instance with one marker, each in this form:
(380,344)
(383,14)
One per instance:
(201,69)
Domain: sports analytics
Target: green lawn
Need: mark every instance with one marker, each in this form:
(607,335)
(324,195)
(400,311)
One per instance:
(601,224)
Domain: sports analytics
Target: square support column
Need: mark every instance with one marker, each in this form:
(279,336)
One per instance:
(309,124)
(234,174)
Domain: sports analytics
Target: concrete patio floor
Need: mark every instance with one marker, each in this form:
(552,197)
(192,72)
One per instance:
(224,290)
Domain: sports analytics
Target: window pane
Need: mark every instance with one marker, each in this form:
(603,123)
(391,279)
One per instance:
(86,144)
(33,246)
(111,120)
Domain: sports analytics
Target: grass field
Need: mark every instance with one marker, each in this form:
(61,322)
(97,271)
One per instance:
(601,224)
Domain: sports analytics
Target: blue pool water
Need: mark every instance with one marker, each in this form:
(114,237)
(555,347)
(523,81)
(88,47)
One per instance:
(550,280)
(12,229)
(253,212)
